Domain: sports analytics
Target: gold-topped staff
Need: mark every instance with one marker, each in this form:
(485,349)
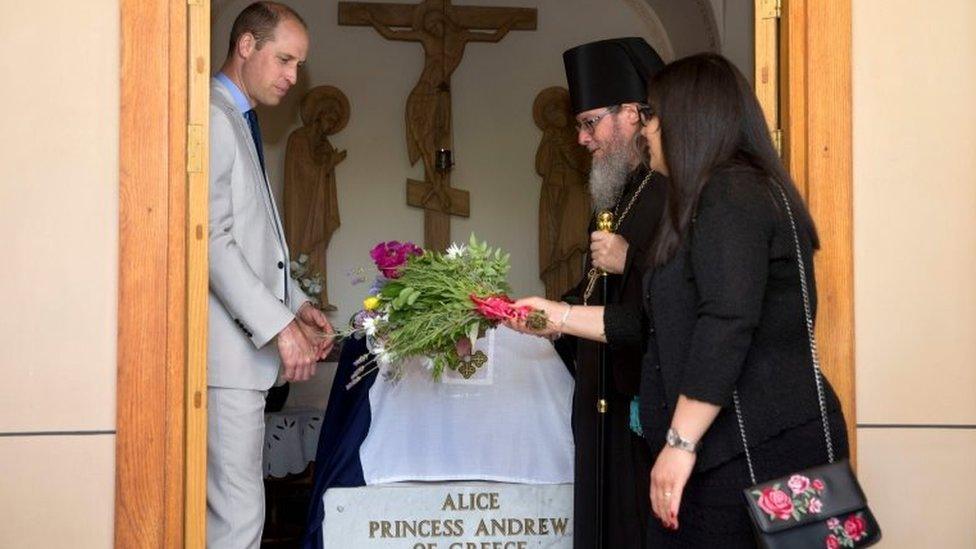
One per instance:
(604,222)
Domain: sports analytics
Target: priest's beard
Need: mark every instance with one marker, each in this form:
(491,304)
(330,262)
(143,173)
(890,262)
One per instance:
(609,173)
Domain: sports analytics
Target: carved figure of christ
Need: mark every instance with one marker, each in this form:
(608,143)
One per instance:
(443,30)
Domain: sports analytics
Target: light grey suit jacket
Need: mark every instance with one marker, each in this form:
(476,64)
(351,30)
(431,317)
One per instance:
(252,297)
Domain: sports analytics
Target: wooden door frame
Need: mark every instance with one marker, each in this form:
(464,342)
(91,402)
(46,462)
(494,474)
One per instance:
(803,81)
(161,392)
(160,480)
(815,111)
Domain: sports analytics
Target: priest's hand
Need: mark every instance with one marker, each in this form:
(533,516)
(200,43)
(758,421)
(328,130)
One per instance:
(668,479)
(297,353)
(608,251)
(317,329)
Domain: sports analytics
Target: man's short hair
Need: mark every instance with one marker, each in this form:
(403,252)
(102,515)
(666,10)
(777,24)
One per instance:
(260,20)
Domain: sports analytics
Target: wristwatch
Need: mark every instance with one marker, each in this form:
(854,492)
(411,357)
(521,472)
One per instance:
(674,440)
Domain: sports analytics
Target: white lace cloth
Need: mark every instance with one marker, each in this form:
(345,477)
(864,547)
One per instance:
(509,423)
(291,437)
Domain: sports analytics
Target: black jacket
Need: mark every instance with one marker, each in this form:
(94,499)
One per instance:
(623,480)
(726,313)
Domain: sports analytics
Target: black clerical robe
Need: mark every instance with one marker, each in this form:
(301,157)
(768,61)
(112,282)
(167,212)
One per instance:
(627,458)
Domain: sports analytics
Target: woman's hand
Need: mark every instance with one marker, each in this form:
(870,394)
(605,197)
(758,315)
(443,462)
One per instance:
(552,309)
(668,479)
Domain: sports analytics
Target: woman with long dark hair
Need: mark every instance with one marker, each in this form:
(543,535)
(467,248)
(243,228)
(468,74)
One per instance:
(722,313)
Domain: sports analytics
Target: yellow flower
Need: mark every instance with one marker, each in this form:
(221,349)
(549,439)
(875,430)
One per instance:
(371,303)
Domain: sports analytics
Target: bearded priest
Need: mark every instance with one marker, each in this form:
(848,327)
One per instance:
(608,87)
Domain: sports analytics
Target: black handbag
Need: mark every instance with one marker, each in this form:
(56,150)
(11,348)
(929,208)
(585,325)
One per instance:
(823,506)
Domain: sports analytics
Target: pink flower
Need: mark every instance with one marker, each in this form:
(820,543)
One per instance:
(818,484)
(497,307)
(463,347)
(832,523)
(390,256)
(832,542)
(855,526)
(798,483)
(776,503)
(815,506)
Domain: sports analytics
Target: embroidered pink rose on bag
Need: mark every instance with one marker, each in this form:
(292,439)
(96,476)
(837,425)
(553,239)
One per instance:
(855,526)
(798,484)
(776,503)
(853,529)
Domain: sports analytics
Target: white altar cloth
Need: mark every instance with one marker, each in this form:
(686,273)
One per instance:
(290,439)
(509,423)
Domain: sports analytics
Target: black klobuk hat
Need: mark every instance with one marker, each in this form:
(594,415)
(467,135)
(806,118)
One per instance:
(610,72)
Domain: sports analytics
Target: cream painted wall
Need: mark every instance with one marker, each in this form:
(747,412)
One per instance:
(915,263)
(59,201)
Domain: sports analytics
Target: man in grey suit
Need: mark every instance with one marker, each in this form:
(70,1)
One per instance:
(259,318)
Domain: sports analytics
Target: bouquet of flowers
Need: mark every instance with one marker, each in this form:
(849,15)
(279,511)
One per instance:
(434,305)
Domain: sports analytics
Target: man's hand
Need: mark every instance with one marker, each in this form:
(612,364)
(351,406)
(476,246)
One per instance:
(317,329)
(608,251)
(297,354)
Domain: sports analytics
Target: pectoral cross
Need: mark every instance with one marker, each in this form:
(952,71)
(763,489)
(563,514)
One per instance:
(443,30)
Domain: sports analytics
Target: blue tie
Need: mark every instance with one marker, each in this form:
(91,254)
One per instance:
(252,123)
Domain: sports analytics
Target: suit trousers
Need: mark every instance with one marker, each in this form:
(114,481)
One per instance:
(235,481)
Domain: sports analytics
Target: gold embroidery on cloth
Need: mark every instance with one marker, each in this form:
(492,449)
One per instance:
(470,365)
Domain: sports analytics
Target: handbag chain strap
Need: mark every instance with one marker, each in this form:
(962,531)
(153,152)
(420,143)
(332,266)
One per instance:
(817,375)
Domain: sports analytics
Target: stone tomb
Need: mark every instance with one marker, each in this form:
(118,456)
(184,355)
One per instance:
(449,515)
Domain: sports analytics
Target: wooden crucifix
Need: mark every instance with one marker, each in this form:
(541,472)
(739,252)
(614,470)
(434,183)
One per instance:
(443,30)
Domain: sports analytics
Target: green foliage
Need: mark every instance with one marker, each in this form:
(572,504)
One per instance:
(429,305)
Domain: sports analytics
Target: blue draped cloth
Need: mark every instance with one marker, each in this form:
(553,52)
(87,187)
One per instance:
(344,428)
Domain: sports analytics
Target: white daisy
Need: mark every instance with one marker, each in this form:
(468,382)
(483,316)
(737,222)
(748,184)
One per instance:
(383,357)
(456,251)
(369,325)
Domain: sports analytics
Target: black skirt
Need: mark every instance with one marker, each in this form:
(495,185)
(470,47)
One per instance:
(713,511)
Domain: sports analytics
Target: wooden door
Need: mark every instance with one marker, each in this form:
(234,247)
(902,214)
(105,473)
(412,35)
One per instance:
(161,388)
(803,81)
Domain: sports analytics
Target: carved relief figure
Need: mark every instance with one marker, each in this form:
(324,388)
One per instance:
(311,204)
(564,203)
